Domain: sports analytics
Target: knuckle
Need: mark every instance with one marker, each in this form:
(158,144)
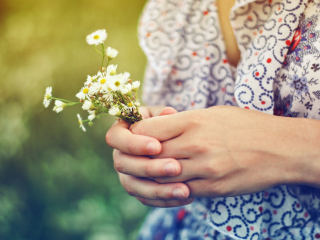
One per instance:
(149,170)
(131,147)
(109,137)
(137,128)
(195,120)
(118,165)
(198,148)
(126,185)
(157,194)
(129,189)
(217,189)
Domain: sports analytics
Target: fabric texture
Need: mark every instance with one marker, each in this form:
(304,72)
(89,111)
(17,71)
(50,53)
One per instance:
(278,74)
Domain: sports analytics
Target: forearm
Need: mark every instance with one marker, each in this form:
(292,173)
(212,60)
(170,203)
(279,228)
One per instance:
(295,143)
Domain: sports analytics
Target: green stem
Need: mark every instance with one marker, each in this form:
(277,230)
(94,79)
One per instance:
(103,55)
(107,65)
(74,103)
(63,100)
(95,47)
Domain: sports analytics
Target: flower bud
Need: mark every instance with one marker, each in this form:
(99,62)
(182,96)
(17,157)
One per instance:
(111,53)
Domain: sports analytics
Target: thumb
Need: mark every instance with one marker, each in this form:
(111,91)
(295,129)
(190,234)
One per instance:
(167,111)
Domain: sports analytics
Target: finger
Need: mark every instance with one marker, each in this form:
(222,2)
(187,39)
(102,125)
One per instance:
(145,113)
(207,188)
(189,170)
(141,166)
(121,138)
(164,203)
(154,111)
(162,127)
(167,111)
(178,148)
(140,187)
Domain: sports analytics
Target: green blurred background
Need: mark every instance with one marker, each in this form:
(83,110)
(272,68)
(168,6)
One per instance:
(57,182)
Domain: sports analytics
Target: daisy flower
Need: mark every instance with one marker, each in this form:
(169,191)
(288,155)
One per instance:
(112,69)
(83,94)
(102,82)
(87,92)
(126,89)
(87,105)
(59,106)
(116,82)
(92,115)
(135,86)
(114,110)
(111,53)
(97,37)
(47,97)
(108,97)
(125,76)
(80,122)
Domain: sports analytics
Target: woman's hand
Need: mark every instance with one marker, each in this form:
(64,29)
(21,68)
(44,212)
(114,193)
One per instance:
(132,161)
(228,151)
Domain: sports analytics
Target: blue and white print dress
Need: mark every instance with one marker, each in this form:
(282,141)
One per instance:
(279,74)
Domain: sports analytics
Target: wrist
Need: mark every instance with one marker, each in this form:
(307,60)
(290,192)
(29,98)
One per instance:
(302,152)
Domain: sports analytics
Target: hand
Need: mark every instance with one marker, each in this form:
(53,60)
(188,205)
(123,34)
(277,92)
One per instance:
(134,166)
(226,151)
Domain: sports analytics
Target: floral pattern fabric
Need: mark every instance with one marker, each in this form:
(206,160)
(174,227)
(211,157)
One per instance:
(279,41)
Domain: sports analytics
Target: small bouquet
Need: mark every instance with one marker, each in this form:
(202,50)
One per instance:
(105,93)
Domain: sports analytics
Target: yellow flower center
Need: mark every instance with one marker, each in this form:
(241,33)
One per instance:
(96,37)
(86,90)
(117,83)
(80,122)
(102,81)
(130,104)
(109,88)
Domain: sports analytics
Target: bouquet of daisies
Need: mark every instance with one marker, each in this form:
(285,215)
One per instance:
(106,93)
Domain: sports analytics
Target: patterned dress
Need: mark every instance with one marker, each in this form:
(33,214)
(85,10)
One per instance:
(278,74)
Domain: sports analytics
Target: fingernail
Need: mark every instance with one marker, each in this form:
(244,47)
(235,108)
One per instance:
(178,193)
(170,169)
(152,148)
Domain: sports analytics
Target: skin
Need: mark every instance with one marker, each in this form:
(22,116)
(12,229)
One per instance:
(215,152)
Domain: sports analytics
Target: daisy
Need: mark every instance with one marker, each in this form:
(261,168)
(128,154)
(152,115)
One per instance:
(97,37)
(87,92)
(125,76)
(81,123)
(90,79)
(83,94)
(111,53)
(59,106)
(112,69)
(126,89)
(135,86)
(47,97)
(114,110)
(116,82)
(92,115)
(87,105)
(102,82)
(108,97)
